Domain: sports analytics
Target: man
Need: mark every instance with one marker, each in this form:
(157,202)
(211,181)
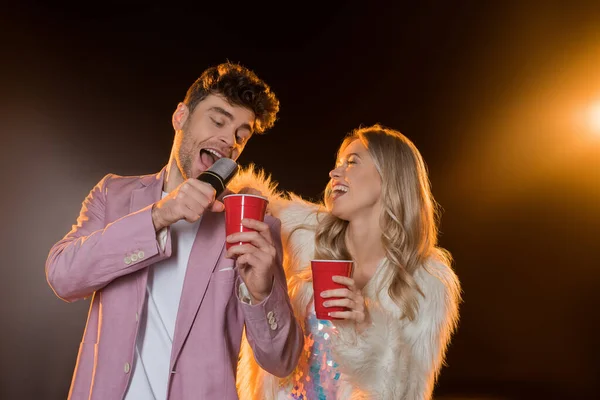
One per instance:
(169,302)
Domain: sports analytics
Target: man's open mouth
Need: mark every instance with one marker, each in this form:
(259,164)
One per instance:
(209,156)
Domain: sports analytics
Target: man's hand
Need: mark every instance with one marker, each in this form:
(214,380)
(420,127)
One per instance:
(188,201)
(255,259)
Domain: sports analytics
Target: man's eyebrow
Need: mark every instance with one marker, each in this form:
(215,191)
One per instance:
(221,111)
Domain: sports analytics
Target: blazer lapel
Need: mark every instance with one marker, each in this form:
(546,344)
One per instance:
(207,247)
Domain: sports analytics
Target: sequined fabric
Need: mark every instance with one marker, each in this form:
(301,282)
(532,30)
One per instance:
(317,376)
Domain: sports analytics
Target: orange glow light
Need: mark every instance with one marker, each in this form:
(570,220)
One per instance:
(594,118)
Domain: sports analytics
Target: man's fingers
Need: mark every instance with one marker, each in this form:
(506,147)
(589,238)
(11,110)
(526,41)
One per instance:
(189,214)
(217,206)
(260,227)
(202,187)
(254,238)
(198,197)
(247,248)
(240,249)
(251,259)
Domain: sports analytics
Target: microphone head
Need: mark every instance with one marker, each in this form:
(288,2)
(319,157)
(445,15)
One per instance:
(225,167)
(219,174)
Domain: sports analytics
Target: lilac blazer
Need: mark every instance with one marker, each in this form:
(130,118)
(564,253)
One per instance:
(105,256)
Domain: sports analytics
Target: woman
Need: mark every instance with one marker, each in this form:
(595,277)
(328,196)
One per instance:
(402,298)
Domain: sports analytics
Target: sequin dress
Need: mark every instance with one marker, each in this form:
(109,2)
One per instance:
(317,376)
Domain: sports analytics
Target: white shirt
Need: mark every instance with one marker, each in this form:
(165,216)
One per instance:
(150,377)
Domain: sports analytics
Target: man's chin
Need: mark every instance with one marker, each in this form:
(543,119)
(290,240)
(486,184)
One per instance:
(195,173)
(188,173)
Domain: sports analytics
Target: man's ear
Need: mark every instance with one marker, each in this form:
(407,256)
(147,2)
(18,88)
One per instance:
(180,116)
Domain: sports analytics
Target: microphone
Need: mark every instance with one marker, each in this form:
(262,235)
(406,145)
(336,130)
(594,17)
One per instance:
(219,174)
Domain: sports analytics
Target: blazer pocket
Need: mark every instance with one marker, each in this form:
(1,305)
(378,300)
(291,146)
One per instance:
(226,275)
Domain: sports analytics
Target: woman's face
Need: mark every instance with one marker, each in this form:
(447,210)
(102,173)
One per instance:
(355,184)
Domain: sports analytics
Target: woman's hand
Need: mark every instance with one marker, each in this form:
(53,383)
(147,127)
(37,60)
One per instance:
(350,297)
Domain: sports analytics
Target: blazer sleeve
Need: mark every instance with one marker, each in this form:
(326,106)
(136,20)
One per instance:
(271,329)
(396,358)
(93,253)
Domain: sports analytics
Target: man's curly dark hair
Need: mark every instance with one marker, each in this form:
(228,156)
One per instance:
(239,86)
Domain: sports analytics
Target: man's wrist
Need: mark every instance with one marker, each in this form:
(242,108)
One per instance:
(257,297)
(156,219)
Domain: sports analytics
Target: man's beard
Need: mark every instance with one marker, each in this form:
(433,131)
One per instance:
(185,154)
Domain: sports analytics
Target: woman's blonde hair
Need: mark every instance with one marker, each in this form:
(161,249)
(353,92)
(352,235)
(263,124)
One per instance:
(409,217)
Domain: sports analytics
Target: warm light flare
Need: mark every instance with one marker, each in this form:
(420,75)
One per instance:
(594,118)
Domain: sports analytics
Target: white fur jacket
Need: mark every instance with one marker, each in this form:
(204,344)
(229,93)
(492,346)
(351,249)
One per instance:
(394,359)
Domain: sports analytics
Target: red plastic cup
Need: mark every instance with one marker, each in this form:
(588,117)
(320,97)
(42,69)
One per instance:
(240,206)
(322,273)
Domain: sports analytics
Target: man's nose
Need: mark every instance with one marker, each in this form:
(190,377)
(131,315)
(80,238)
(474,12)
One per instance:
(228,139)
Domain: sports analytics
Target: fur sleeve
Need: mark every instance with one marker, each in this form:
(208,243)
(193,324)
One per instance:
(429,336)
(291,209)
(396,358)
(255,181)
(293,212)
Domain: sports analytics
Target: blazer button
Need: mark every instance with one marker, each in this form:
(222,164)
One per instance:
(140,254)
(127,260)
(274,326)
(126,367)
(134,257)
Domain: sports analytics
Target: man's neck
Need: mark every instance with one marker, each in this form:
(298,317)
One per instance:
(173,177)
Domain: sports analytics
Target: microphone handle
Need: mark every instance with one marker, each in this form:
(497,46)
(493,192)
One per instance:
(213,180)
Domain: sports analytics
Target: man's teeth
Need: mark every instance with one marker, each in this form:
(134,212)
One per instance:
(214,152)
(340,188)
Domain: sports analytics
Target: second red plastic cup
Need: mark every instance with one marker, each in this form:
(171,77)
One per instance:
(322,273)
(240,206)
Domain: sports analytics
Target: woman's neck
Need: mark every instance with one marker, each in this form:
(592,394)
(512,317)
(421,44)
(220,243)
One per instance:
(364,242)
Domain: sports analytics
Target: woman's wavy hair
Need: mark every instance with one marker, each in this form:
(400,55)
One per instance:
(409,218)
